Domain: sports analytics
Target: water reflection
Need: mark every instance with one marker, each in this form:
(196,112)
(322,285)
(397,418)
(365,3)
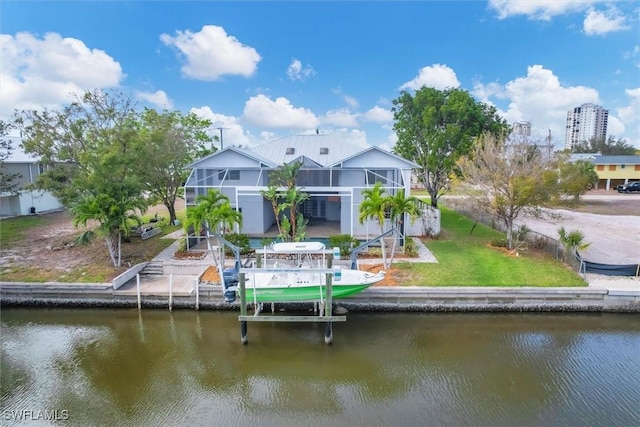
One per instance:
(175,368)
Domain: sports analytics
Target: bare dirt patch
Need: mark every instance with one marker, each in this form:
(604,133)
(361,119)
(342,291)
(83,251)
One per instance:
(49,252)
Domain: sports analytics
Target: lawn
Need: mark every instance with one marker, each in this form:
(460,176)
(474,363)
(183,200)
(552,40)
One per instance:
(466,259)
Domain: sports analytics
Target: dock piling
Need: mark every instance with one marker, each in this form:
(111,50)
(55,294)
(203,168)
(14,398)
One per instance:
(170,292)
(138,291)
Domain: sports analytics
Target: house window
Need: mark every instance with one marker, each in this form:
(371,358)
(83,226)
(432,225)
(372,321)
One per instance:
(622,166)
(600,167)
(41,168)
(376,175)
(612,167)
(232,175)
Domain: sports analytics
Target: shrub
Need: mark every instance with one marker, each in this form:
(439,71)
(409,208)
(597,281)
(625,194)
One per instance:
(345,242)
(499,242)
(240,240)
(410,247)
(182,245)
(266,241)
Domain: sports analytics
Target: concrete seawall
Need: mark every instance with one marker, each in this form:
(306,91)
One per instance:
(408,299)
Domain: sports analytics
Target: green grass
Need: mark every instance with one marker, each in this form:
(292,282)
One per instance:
(468,260)
(463,259)
(15,229)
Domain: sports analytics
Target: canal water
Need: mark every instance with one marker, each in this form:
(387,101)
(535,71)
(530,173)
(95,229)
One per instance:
(122,367)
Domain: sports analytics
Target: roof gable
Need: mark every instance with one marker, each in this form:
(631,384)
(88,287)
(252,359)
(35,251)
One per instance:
(232,157)
(376,157)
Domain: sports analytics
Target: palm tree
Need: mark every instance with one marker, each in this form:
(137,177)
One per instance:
(114,211)
(399,206)
(293,197)
(373,206)
(273,194)
(225,217)
(572,240)
(214,212)
(282,185)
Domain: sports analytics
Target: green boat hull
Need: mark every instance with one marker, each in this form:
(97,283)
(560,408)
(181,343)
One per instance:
(303,293)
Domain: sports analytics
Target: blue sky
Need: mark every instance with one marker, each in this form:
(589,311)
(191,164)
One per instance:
(262,70)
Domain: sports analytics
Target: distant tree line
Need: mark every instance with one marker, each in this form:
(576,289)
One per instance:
(606,146)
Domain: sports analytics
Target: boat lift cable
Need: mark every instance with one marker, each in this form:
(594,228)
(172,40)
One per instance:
(356,251)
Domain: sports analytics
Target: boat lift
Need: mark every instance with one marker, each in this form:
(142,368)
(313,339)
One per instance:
(234,279)
(357,250)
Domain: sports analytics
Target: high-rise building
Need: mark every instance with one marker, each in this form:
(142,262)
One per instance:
(585,122)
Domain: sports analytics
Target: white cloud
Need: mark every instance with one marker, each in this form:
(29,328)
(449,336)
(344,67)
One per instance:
(212,53)
(351,101)
(232,132)
(295,71)
(630,117)
(348,99)
(598,23)
(158,98)
(45,72)
(261,111)
(354,136)
(538,9)
(341,117)
(437,76)
(541,99)
(378,114)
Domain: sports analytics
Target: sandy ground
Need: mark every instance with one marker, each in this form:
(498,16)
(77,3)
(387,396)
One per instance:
(613,239)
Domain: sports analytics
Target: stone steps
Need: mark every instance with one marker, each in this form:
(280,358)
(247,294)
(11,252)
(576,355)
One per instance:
(153,268)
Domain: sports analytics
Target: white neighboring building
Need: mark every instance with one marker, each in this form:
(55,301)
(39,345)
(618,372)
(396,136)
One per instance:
(585,122)
(28,201)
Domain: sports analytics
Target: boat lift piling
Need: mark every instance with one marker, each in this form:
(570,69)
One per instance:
(326,313)
(323,308)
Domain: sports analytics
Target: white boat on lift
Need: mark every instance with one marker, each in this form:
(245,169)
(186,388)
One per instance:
(296,271)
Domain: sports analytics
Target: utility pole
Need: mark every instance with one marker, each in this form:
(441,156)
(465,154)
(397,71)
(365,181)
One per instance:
(221,143)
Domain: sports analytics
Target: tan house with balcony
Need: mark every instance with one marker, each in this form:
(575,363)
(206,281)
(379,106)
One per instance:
(614,170)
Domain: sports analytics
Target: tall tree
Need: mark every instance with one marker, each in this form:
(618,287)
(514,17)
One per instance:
(506,183)
(91,149)
(435,128)
(9,181)
(373,207)
(169,142)
(605,146)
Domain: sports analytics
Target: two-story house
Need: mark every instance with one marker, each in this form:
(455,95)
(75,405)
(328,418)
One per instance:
(334,173)
(612,170)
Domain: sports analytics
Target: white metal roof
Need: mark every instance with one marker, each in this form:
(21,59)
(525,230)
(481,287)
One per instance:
(335,147)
